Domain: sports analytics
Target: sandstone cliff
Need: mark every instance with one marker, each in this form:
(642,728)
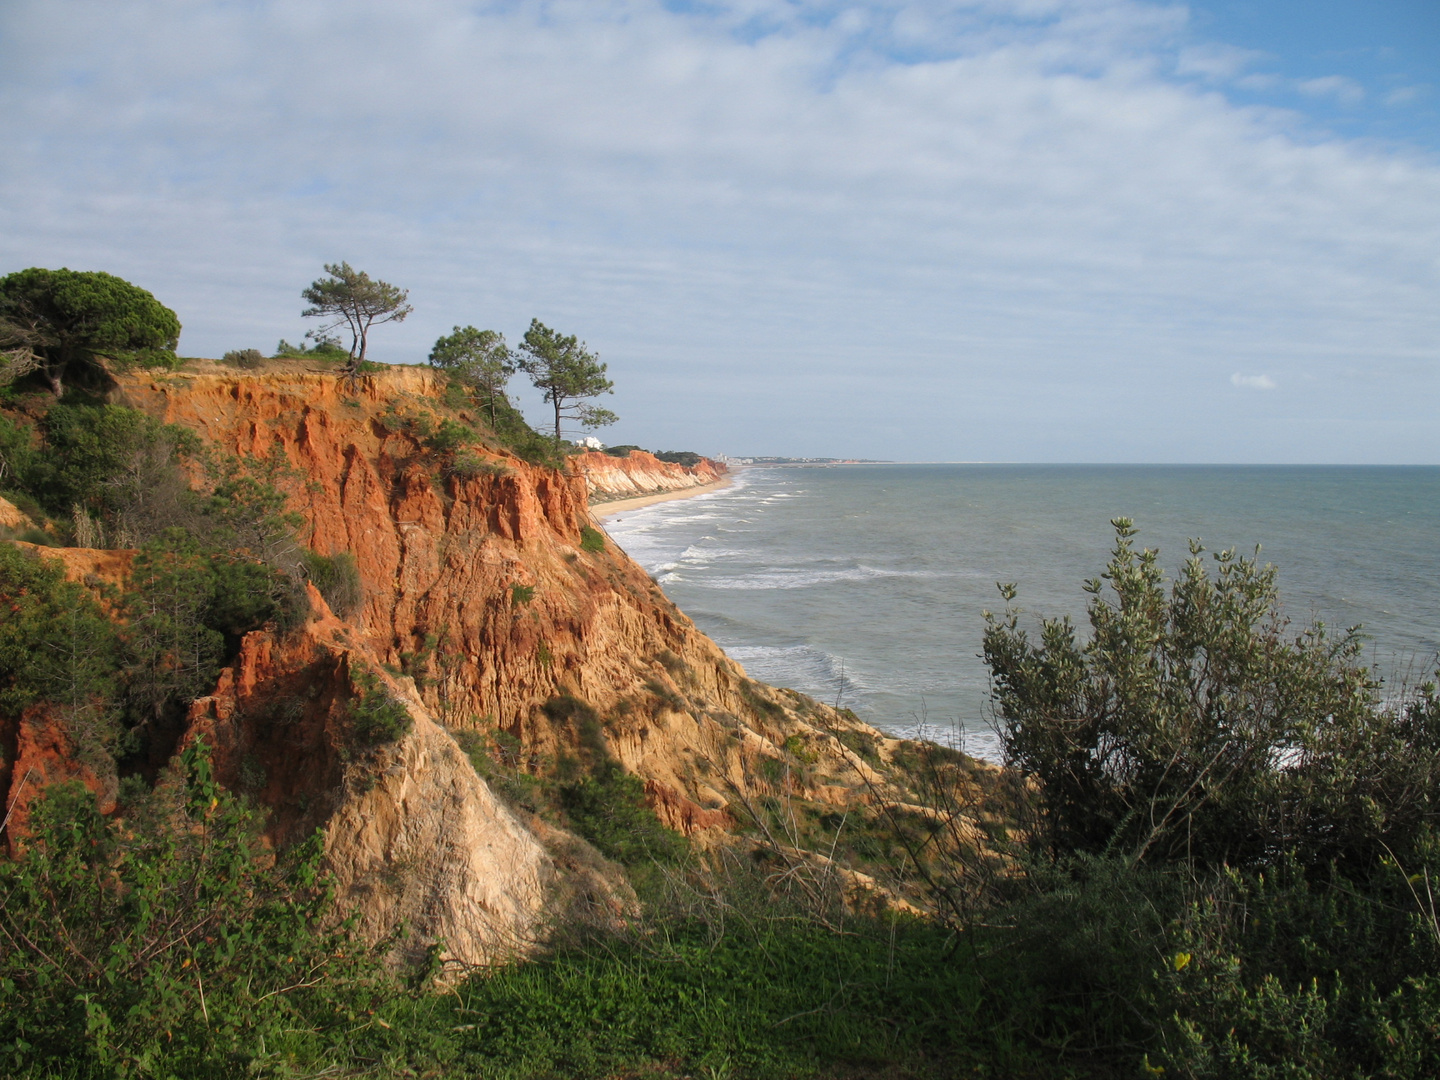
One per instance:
(641,473)
(479,585)
(485,587)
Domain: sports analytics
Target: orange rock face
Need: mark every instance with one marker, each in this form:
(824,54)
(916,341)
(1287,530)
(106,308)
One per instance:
(641,473)
(42,751)
(478,585)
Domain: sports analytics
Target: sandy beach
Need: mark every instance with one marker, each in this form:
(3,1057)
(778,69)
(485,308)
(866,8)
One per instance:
(609,509)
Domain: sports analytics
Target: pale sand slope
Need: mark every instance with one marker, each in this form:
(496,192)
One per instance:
(609,509)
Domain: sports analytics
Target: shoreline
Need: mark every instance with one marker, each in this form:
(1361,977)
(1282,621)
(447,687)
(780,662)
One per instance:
(610,508)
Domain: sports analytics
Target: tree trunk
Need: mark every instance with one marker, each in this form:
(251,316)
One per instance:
(557,420)
(55,375)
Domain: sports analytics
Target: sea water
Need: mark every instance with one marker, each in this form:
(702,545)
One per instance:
(866,584)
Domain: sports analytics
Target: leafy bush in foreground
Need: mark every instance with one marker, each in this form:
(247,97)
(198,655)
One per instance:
(1195,726)
(166,946)
(1235,837)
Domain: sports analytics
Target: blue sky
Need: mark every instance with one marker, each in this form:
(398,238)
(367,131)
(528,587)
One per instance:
(1034,230)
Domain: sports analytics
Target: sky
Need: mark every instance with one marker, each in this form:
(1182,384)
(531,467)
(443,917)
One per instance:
(1004,230)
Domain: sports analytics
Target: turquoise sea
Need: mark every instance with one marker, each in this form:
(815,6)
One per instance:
(866,584)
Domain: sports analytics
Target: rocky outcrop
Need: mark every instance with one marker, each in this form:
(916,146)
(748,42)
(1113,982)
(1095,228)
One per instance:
(415,838)
(493,603)
(12,517)
(477,583)
(641,473)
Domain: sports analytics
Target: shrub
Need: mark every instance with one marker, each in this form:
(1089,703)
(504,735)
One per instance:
(55,643)
(450,435)
(1195,726)
(688,458)
(115,463)
(244,358)
(591,540)
(622,451)
(337,577)
(326,347)
(521,594)
(174,949)
(376,716)
(467,465)
(608,809)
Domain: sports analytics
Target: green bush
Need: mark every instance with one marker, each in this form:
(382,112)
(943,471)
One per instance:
(55,643)
(244,358)
(114,462)
(337,577)
(608,809)
(326,347)
(376,716)
(591,540)
(1196,725)
(174,949)
(1235,838)
(449,436)
(688,458)
(512,431)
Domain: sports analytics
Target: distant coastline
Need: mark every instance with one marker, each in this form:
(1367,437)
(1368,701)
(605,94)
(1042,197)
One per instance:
(611,507)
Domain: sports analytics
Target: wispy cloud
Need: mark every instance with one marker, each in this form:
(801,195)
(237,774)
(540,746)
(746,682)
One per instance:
(1253,382)
(1405,95)
(895,229)
(1344,90)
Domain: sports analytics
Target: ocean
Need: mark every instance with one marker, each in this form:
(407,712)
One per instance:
(866,584)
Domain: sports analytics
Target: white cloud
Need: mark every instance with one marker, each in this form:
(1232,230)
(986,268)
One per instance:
(1253,382)
(1405,95)
(1344,90)
(949,230)
(1216,61)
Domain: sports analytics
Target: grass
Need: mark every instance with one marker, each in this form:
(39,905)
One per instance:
(777,998)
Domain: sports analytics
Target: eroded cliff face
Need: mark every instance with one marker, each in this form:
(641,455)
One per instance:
(479,586)
(416,839)
(641,473)
(488,605)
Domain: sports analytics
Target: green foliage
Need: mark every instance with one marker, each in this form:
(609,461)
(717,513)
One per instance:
(568,374)
(352,299)
(467,464)
(175,653)
(860,743)
(521,594)
(449,436)
(591,540)
(608,809)
(112,462)
(479,361)
(514,433)
(688,458)
(375,715)
(17,453)
(337,577)
(71,318)
(171,950)
(1236,840)
(1193,725)
(55,643)
(601,801)
(326,347)
(244,358)
(721,979)
(623,450)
